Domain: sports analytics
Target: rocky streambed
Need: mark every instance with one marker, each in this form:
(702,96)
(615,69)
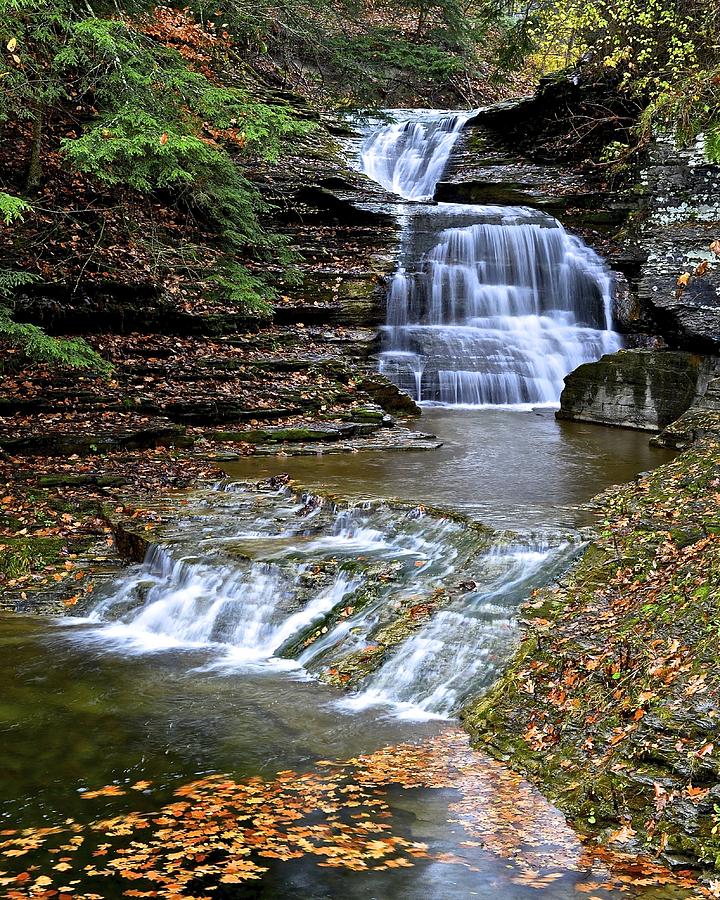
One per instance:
(609,702)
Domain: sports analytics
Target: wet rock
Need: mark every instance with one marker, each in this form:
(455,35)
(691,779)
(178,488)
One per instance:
(275,434)
(700,422)
(59,443)
(397,438)
(387,395)
(130,544)
(370,414)
(487,168)
(342,204)
(352,301)
(681,218)
(635,388)
(632,318)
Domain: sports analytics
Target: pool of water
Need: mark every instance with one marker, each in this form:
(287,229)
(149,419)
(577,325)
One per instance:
(327,804)
(507,469)
(142,769)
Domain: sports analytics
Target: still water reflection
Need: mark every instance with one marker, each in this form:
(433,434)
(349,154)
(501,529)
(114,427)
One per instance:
(507,469)
(76,716)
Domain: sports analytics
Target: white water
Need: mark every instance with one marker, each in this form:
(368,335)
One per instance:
(502,305)
(246,611)
(251,609)
(312,600)
(463,649)
(408,156)
(497,313)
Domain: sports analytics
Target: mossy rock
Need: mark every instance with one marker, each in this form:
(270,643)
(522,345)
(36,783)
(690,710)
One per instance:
(290,434)
(23,554)
(67,480)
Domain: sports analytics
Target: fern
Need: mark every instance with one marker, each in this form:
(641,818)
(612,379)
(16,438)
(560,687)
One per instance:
(11,280)
(237,285)
(712,145)
(162,124)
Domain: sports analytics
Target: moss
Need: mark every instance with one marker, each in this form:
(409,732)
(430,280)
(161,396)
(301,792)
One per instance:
(367,414)
(67,480)
(23,555)
(273,436)
(412,616)
(616,685)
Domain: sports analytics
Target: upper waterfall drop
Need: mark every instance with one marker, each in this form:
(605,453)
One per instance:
(409,156)
(490,305)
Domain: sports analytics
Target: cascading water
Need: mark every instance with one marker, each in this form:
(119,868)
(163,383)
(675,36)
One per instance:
(249,611)
(490,305)
(462,651)
(295,582)
(498,312)
(252,608)
(500,304)
(408,156)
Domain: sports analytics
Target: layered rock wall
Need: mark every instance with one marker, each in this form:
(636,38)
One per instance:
(678,222)
(642,389)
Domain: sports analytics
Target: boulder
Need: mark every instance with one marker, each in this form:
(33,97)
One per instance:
(641,389)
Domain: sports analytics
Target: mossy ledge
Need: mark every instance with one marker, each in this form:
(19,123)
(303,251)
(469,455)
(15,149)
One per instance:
(611,704)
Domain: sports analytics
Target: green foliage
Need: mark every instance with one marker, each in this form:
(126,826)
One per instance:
(359,52)
(662,52)
(160,124)
(12,209)
(34,342)
(712,144)
(260,24)
(384,48)
(687,109)
(447,21)
(10,281)
(239,286)
(24,555)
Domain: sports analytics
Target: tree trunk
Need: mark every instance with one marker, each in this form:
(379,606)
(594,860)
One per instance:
(422,13)
(34,172)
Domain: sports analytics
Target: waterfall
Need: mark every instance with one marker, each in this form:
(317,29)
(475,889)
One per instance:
(251,609)
(490,306)
(498,312)
(248,611)
(462,651)
(252,579)
(408,157)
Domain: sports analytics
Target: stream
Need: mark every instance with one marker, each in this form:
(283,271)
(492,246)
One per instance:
(267,706)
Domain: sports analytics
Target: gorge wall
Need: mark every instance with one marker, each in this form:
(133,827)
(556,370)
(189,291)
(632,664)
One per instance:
(674,291)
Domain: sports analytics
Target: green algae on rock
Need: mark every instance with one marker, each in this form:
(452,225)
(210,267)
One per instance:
(642,389)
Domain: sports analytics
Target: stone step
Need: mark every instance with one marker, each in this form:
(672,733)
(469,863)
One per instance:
(54,442)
